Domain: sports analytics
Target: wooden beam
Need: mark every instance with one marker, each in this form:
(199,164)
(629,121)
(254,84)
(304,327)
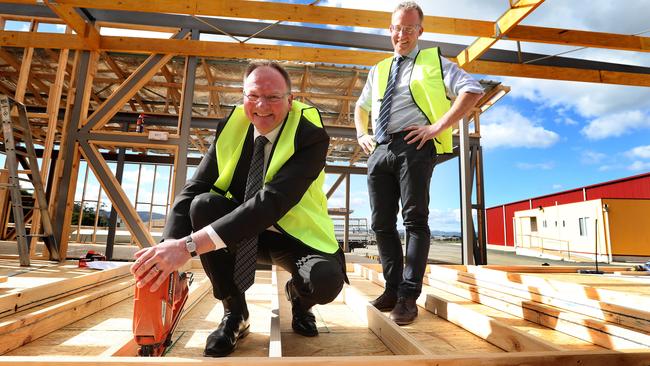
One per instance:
(172,93)
(345,106)
(128,89)
(503,25)
(399,341)
(275,333)
(558,73)
(578,38)
(371,19)
(52,113)
(118,197)
(485,327)
(24,69)
(571,315)
(40,40)
(591,358)
(590,330)
(572,290)
(21,328)
(230,50)
(15,301)
(121,77)
(25,78)
(214,95)
(492,330)
(86,31)
(65,177)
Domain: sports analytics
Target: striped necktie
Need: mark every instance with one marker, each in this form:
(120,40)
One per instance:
(381,128)
(246,257)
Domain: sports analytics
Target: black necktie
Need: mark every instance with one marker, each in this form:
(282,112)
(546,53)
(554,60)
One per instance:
(246,257)
(381,127)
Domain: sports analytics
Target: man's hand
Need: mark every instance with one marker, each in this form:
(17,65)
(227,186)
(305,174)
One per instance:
(157,262)
(367,143)
(422,134)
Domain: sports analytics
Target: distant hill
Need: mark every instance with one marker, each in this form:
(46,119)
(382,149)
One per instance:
(445,233)
(144,216)
(402,233)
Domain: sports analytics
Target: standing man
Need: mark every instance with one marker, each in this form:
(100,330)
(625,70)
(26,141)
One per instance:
(408,95)
(256,196)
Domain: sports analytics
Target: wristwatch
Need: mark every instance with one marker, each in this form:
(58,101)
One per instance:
(190,245)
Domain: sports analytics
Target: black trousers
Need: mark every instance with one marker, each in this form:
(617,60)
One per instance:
(397,170)
(317,277)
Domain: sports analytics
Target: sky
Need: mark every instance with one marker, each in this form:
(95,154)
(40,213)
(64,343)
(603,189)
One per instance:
(545,136)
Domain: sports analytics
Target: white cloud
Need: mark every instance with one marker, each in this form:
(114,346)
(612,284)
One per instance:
(566,121)
(506,127)
(639,165)
(557,186)
(357,199)
(616,124)
(445,220)
(611,110)
(536,166)
(587,99)
(591,157)
(642,152)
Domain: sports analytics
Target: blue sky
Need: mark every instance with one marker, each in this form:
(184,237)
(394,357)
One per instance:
(545,136)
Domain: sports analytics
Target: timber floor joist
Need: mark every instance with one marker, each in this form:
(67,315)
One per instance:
(450,329)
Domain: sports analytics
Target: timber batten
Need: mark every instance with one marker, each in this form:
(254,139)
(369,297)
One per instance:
(453,327)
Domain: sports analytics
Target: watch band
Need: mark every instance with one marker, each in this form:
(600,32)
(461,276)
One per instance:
(190,245)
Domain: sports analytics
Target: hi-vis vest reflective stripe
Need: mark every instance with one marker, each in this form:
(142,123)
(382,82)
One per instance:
(427,89)
(308,220)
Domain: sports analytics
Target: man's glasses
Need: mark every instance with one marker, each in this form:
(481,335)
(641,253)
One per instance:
(407,29)
(275,98)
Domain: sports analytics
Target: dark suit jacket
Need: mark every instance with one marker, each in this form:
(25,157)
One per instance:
(269,205)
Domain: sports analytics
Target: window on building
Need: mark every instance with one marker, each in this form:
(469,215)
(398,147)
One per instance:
(544,223)
(582,222)
(533,224)
(563,223)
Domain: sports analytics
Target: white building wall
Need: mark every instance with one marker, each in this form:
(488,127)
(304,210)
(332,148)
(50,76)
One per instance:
(559,228)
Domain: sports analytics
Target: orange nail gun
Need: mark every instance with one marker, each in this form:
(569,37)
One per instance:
(156,314)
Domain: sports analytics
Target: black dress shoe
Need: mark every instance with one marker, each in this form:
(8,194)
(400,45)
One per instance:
(405,311)
(303,321)
(385,302)
(223,341)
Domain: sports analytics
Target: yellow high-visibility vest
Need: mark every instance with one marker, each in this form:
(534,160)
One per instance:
(427,88)
(307,221)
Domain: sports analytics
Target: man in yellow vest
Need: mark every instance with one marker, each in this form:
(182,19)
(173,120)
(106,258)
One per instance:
(408,96)
(256,196)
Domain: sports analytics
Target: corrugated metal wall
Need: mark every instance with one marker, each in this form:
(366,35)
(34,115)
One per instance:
(637,186)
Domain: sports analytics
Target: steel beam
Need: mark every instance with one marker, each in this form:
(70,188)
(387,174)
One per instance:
(69,156)
(185,119)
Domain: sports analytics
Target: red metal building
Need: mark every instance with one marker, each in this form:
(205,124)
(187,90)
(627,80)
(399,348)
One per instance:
(500,218)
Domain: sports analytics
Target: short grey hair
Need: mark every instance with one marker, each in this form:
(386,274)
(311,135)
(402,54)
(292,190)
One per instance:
(410,5)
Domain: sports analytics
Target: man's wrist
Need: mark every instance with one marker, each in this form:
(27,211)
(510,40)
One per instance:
(190,246)
(360,135)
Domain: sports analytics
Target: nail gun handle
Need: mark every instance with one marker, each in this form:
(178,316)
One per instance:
(188,275)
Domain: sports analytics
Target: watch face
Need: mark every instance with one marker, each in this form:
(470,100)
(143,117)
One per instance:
(190,245)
